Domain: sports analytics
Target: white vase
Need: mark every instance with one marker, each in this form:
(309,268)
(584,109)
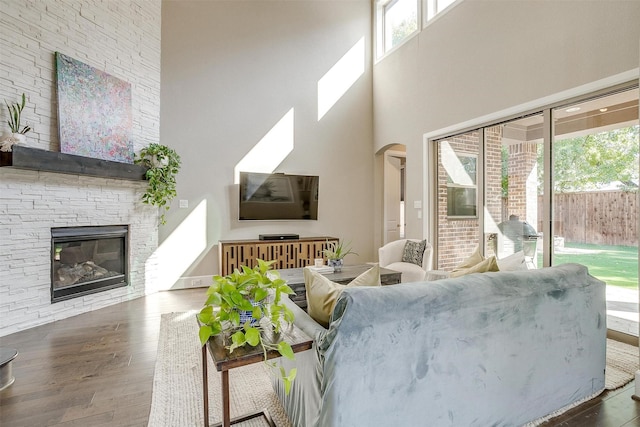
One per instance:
(8,140)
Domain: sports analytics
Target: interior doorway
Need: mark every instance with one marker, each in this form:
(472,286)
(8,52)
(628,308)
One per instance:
(394,194)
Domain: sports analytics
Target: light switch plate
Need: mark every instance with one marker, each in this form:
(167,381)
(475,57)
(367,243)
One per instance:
(417,204)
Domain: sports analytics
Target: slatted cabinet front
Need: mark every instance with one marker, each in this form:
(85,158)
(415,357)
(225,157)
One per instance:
(287,254)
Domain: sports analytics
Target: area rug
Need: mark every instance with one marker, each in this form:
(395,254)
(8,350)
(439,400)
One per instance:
(622,364)
(177,382)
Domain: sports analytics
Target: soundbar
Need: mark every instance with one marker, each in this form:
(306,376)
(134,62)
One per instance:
(279,236)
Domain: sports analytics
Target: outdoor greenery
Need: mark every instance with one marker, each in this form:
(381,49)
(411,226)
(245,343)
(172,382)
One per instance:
(254,294)
(615,265)
(592,161)
(163,164)
(404,29)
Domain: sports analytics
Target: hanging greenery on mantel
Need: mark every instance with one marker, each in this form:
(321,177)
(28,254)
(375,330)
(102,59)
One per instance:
(163,164)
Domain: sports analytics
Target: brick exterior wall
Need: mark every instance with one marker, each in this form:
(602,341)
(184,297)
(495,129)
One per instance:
(121,38)
(523,192)
(458,238)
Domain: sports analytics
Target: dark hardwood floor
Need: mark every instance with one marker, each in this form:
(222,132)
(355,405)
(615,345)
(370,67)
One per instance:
(96,369)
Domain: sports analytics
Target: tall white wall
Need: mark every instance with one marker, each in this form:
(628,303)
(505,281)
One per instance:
(122,38)
(483,57)
(231,70)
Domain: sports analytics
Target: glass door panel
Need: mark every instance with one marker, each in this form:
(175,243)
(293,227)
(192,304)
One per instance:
(457,199)
(595,184)
(513,165)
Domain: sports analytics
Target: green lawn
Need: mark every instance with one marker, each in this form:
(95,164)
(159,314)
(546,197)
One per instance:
(615,265)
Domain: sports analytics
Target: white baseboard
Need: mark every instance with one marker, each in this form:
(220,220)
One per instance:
(189,282)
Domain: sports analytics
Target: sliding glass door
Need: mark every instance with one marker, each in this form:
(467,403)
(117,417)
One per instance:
(490,188)
(512,188)
(457,198)
(595,189)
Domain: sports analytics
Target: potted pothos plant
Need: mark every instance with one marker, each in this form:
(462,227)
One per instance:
(246,306)
(163,164)
(335,253)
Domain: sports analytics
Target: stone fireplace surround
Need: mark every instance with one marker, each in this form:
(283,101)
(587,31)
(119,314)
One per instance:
(33,202)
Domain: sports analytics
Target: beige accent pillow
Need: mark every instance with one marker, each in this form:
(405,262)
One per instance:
(489,264)
(513,262)
(474,258)
(322,293)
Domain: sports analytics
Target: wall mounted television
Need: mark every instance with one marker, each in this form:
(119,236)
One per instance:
(278,196)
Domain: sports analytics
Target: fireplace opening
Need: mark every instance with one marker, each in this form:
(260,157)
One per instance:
(85,260)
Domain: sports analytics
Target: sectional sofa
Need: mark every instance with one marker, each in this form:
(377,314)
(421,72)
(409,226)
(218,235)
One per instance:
(490,349)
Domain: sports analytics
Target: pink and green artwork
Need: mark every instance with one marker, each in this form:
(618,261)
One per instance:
(94,112)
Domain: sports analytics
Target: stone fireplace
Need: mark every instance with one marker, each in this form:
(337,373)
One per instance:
(45,210)
(86,260)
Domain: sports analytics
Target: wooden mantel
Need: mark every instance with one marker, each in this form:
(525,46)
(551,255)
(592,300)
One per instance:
(50,161)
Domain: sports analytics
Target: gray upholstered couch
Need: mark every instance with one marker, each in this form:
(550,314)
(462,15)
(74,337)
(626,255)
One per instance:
(492,349)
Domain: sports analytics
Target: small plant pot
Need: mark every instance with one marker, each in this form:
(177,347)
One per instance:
(248,315)
(336,264)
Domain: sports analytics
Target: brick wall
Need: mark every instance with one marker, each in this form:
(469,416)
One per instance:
(458,238)
(122,38)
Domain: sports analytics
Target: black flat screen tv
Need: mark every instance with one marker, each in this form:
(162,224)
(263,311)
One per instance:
(278,196)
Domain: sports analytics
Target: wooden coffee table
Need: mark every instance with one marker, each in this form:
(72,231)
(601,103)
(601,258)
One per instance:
(223,361)
(295,279)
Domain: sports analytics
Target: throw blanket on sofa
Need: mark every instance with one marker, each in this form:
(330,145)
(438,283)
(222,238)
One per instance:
(485,349)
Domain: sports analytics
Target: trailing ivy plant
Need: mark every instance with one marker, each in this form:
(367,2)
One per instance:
(163,164)
(15,114)
(255,293)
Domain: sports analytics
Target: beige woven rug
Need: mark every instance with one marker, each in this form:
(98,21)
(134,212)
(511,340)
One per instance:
(177,382)
(622,364)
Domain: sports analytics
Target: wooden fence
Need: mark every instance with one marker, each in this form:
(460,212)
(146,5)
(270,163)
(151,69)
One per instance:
(604,217)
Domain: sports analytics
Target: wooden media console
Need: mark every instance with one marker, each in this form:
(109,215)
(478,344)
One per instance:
(295,253)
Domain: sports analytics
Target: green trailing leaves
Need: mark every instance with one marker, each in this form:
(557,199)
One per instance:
(163,165)
(288,379)
(253,336)
(258,292)
(284,348)
(204,333)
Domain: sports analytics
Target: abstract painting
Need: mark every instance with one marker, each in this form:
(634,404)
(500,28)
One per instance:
(94,112)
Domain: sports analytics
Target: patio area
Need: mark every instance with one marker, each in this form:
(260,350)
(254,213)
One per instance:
(622,310)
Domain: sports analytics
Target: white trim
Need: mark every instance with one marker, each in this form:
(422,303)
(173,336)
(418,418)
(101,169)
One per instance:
(539,103)
(378,30)
(425,18)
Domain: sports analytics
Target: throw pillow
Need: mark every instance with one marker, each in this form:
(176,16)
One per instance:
(474,258)
(513,262)
(322,293)
(489,264)
(413,252)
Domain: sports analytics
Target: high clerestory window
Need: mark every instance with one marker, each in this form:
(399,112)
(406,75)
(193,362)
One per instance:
(398,20)
(433,7)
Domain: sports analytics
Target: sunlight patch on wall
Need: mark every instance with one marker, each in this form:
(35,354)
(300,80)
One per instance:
(178,252)
(453,166)
(337,81)
(271,150)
